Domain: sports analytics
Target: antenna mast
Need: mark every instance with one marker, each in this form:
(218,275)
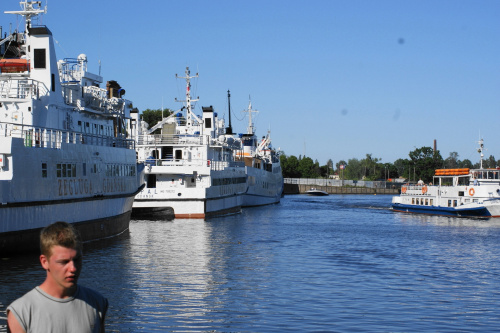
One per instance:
(188,100)
(229,129)
(480,151)
(29,9)
(250,128)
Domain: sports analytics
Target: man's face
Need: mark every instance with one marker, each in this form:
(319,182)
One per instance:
(63,267)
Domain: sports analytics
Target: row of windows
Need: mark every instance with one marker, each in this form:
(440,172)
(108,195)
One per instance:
(68,170)
(91,128)
(120,170)
(421,201)
(228,181)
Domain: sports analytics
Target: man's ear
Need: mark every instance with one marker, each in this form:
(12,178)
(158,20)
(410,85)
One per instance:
(44,261)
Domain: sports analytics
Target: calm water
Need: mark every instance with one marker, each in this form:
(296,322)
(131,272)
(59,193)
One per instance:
(336,263)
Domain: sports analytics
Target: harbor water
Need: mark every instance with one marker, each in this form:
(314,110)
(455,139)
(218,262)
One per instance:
(341,263)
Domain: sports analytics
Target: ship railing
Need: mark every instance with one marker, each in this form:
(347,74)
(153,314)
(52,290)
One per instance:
(214,165)
(40,137)
(221,165)
(416,187)
(170,139)
(12,87)
(93,98)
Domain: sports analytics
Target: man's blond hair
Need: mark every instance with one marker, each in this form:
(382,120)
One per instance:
(59,233)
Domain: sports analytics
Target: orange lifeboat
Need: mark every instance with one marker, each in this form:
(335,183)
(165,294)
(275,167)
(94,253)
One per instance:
(13,65)
(452,172)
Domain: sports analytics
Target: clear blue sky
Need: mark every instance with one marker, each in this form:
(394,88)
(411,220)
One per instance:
(331,79)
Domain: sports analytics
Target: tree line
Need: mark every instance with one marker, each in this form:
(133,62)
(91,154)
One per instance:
(420,164)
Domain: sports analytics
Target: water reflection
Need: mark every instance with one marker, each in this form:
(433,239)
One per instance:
(342,263)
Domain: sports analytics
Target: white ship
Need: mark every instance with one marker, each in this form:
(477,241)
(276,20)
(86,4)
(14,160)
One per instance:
(64,151)
(189,167)
(262,166)
(460,192)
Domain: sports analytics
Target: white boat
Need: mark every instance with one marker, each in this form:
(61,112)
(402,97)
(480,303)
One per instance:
(460,192)
(316,192)
(190,166)
(262,167)
(64,151)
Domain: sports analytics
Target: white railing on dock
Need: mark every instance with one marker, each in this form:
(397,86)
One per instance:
(342,182)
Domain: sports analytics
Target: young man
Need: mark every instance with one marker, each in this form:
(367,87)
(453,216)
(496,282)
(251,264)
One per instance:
(59,304)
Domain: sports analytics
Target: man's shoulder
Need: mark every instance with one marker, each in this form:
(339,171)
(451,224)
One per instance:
(25,304)
(29,297)
(92,296)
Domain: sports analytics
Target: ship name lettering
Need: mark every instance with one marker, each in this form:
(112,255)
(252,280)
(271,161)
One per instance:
(74,186)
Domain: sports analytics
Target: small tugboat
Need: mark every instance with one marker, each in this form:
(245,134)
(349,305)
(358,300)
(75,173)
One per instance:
(65,154)
(455,192)
(316,192)
(262,166)
(190,165)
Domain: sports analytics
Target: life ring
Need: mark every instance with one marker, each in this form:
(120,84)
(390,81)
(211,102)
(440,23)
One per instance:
(424,189)
(403,189)
(471,191)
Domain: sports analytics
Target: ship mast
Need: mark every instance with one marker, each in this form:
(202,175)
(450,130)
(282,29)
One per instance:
(28,10)
(188,101)
(229,129)
(250,128)
(480,151)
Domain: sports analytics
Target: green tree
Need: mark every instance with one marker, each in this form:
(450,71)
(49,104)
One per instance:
(153,117)
(492,162)
(401,166)
(372,170)
(307,168)
(290,166)
(466,164)
(452,162)
(424,161)
(354,169)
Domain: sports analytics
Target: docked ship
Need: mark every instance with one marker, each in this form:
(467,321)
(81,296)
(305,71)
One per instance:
(460,192)
(262,167)
(65,154)
(190,168)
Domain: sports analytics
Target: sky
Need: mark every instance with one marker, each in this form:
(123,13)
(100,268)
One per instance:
(331,79)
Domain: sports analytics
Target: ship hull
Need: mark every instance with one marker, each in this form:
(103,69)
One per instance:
(188,208)
(264,187)
(176,192)
(28,240)
(444,211)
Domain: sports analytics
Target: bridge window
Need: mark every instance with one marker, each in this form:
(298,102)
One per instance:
(40,59)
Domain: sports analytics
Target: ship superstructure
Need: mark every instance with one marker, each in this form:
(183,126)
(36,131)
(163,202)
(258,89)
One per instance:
(190,165)
(262,166)
(65,148)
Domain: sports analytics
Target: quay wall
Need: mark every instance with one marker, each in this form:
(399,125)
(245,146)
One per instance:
(301,185)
